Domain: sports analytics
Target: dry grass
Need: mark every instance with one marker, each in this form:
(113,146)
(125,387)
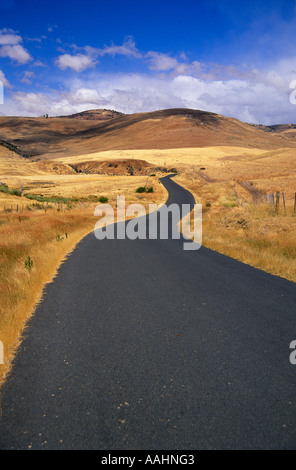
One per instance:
(253,234)
(34,235)
(184,157)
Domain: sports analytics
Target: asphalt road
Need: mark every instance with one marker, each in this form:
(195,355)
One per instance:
(139,344)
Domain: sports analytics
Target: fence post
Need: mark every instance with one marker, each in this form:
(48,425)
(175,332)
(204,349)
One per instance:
(272,199)
(284,202)
(277,201)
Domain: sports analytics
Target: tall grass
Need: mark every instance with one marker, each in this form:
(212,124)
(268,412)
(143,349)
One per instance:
(253,233)
(29,256)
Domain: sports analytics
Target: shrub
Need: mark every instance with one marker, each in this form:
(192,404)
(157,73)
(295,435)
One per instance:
(29,263)
(103,199)
(141,189)
(13,192)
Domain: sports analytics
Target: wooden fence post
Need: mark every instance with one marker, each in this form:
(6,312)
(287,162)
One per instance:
(277,201)
(284,202)
(272,199)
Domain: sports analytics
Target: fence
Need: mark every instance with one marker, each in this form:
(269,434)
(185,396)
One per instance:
(35,206)
(272,199)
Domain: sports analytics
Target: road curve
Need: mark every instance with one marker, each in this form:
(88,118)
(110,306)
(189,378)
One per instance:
(142,345)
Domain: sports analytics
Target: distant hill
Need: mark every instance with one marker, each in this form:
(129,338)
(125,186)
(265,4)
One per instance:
(285,129)
(170,128)
(94,115)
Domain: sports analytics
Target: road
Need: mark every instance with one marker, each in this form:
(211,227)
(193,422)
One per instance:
(139,344)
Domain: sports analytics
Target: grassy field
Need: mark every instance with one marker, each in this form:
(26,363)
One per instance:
(252,233)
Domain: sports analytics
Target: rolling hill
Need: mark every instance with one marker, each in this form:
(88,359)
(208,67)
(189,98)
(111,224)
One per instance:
(80,134)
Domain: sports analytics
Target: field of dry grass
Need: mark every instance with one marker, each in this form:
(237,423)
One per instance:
(252,233)
(32,234)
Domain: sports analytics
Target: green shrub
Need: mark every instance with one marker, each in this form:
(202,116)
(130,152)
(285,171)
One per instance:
(103,199)
(141,189)
(29,263)
(13,192)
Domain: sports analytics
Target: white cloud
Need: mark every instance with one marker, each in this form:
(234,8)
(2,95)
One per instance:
(28,76)
(3,80)
(128,48)
(258,96)
(17,53)
(11,47)
(77,62)
(9,39)
(161,62)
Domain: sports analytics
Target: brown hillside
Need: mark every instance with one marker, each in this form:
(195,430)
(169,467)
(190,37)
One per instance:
(118,167)
(171,128)
(95,115)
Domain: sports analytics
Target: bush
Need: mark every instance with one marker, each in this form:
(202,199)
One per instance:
(29,263)
(103,199)
(13,192)
(141,189)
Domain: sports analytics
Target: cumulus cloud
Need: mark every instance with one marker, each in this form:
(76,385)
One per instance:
(10,47)
(77,62)
(161,62)
(128,48)
(88,58)
(4,80)
(9,39)
(251,95)
(16,53)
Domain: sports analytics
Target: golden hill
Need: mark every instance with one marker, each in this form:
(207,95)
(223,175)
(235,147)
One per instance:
(167,129)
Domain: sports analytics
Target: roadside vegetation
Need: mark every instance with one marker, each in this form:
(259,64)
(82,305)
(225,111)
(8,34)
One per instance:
(29,256)
(255,234)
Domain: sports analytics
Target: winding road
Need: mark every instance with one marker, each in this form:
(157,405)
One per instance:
(139,344)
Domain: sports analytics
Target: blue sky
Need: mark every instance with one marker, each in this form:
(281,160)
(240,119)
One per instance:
(234,58)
